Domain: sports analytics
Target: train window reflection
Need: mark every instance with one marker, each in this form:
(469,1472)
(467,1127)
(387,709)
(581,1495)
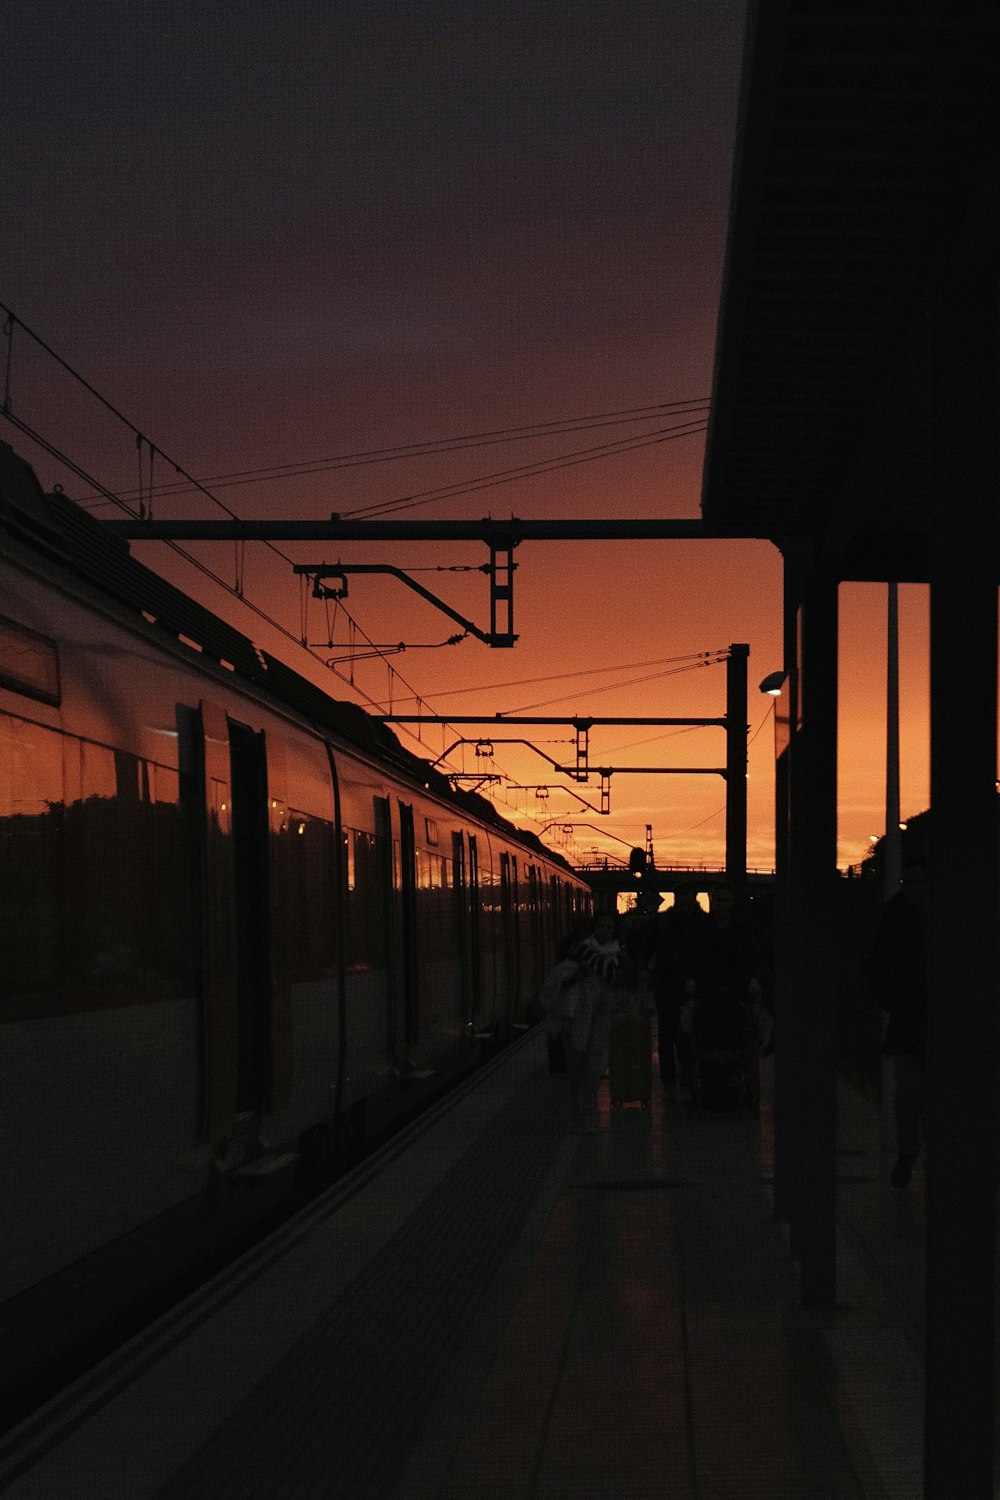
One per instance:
(31,861)
(303,896)
(365,932)
(99,864)
(31,778)
(29,662)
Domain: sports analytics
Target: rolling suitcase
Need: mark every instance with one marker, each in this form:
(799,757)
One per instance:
(630,1061)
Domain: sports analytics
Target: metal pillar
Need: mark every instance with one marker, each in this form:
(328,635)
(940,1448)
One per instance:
(962,1066)
(810,1090)
(786,1135)
(892,842)
(736,766)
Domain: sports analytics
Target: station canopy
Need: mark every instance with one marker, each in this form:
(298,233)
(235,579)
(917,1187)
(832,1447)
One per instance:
(866,170)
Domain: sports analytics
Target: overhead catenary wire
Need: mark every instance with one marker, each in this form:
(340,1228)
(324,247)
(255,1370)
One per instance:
(628,666)
(680,832)
(611,687)
(527,471)
(527,432)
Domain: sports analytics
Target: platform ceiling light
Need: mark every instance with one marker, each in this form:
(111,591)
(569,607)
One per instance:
(773,683)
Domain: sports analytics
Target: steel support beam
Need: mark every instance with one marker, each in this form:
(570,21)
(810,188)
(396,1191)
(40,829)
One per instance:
(521,719)
(962,1060)
(736,766)
(810,1085)
(787,1171)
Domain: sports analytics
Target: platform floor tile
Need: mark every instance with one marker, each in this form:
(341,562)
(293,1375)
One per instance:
(651,1346)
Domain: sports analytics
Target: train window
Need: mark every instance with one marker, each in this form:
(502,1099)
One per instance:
(32,866)
(303,895)
(431,830)
(29,662)
(365,931)
(437,934)
(97,860)
(130,917)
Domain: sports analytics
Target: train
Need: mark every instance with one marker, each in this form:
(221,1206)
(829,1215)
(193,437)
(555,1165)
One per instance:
(244,932)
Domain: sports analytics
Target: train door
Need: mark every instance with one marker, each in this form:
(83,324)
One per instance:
(234,887)
(475,933)
(510,956)
(555,926)
(251,892)
(390,918)
(408,882)
(536,923)
(212,773)
(460,897)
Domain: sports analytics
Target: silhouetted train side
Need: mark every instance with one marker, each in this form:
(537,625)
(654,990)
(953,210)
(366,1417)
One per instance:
(242,930)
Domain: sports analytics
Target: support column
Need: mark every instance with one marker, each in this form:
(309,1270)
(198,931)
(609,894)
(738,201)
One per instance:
(811,1089)
(892,844)
(736,767)
(787,1168)
(962,1067)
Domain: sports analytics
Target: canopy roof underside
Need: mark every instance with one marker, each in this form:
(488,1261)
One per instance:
(866,167)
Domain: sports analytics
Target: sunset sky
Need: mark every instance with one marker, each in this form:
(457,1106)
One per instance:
(282,236)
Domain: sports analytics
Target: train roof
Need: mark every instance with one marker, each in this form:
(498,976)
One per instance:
(59,528)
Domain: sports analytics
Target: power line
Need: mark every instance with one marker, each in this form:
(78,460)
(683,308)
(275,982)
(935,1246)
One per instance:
(304,468)
(526,471)
(629,666)
(652,739)
(691,828)
(614,686)
(194,562)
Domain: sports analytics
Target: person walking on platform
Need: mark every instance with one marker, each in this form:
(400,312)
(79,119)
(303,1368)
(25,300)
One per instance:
(603,972)
(725,999)
(896,968)
(677,948)
(729,949)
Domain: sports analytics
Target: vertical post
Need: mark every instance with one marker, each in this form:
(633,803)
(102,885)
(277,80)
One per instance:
(787,1168)
(962,1060)
(813,860)
(736,766)
(502,592)
(891,845)
(582,727)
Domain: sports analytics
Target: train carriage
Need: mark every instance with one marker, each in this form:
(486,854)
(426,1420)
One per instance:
(243,931)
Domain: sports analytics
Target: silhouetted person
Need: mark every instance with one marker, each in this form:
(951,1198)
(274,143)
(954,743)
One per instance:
(729,958)
(677,954)
(603,969)
(896,967)
(726,993)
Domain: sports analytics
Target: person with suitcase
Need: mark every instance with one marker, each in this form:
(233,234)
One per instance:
(679,941)
(603,970)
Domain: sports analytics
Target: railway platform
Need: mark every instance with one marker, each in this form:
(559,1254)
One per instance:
(493,1306)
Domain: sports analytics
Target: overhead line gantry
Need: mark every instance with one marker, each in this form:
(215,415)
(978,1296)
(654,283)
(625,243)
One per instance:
(501,537)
